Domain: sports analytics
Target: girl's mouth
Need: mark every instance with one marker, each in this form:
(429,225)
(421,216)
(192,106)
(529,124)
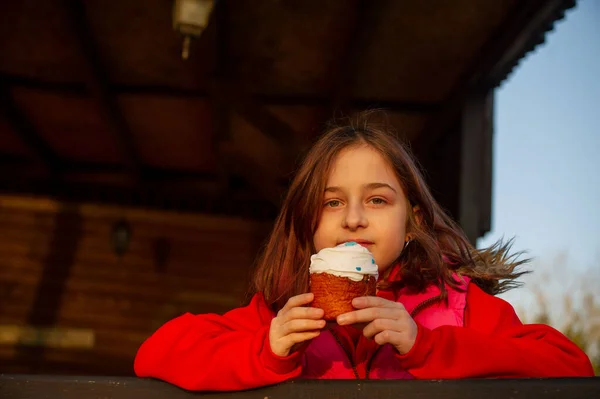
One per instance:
(362,243)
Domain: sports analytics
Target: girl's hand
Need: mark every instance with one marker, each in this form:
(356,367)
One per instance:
(388,322)
(295,324)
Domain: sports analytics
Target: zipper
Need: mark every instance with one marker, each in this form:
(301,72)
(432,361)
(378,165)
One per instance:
(370,362)
(425,304)
(418,309)
(348,354)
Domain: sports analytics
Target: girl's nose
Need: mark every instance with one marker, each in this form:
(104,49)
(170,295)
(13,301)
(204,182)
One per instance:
(355,217)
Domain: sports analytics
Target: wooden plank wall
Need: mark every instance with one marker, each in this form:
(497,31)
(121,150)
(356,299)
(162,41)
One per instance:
(59,275)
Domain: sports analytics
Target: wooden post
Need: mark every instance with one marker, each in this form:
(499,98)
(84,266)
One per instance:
(475,184)
(46,306)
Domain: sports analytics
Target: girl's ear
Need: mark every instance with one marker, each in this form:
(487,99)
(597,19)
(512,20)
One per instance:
(418,217)
(417,214)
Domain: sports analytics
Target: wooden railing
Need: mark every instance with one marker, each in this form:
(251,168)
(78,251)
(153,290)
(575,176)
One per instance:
(55,387)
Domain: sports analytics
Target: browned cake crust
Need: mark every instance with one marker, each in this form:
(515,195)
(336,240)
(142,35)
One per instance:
(334,294)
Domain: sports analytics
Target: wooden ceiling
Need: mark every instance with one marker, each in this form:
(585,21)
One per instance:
(97,104)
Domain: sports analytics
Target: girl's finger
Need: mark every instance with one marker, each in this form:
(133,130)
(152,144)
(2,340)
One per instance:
(379,325)
(297,301)
(301,325)
(389,337)
(303,313)
(373,302)
(296,338)
(369,314)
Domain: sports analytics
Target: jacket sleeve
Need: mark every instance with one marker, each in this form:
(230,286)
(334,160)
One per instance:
(495,344)
(217,353)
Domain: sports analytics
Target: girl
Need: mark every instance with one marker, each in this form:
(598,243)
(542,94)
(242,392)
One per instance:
(435,315)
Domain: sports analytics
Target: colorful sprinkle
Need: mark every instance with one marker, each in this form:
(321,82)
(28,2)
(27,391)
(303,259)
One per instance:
(359,268)
(373,261)
(350,244)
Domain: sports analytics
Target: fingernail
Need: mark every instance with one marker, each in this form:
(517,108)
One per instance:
(341,319)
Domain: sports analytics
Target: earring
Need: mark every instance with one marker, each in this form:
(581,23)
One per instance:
(404,247)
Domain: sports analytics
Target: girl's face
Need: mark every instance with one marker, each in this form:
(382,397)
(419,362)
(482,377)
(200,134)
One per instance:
(364,202)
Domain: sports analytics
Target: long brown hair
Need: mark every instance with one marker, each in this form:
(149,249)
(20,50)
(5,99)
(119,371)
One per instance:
(438,247)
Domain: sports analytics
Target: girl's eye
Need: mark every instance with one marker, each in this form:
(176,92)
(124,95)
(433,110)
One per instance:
(333,203)
(378,201)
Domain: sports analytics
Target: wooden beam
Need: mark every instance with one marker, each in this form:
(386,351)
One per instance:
(475,170)
(264,181)
(256,114)
(221,111)
(34,386)
(45,309)
(202,190)
(499,54)
(26,131)
(367,14)
(223,90)
(113,175)
(227,97)
(27,82)
(174,182)
(532,33)
(311,100)
(98,85)
(169,191)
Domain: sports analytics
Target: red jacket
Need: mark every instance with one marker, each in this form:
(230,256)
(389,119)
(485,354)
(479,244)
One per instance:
(232,352)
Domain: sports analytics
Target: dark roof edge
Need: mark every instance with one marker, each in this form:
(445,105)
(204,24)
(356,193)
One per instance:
(533,35)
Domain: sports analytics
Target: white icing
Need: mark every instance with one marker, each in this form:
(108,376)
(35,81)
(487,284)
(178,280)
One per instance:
(346,260)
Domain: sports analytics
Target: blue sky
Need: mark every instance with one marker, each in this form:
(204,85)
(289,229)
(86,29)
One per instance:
(546,187)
